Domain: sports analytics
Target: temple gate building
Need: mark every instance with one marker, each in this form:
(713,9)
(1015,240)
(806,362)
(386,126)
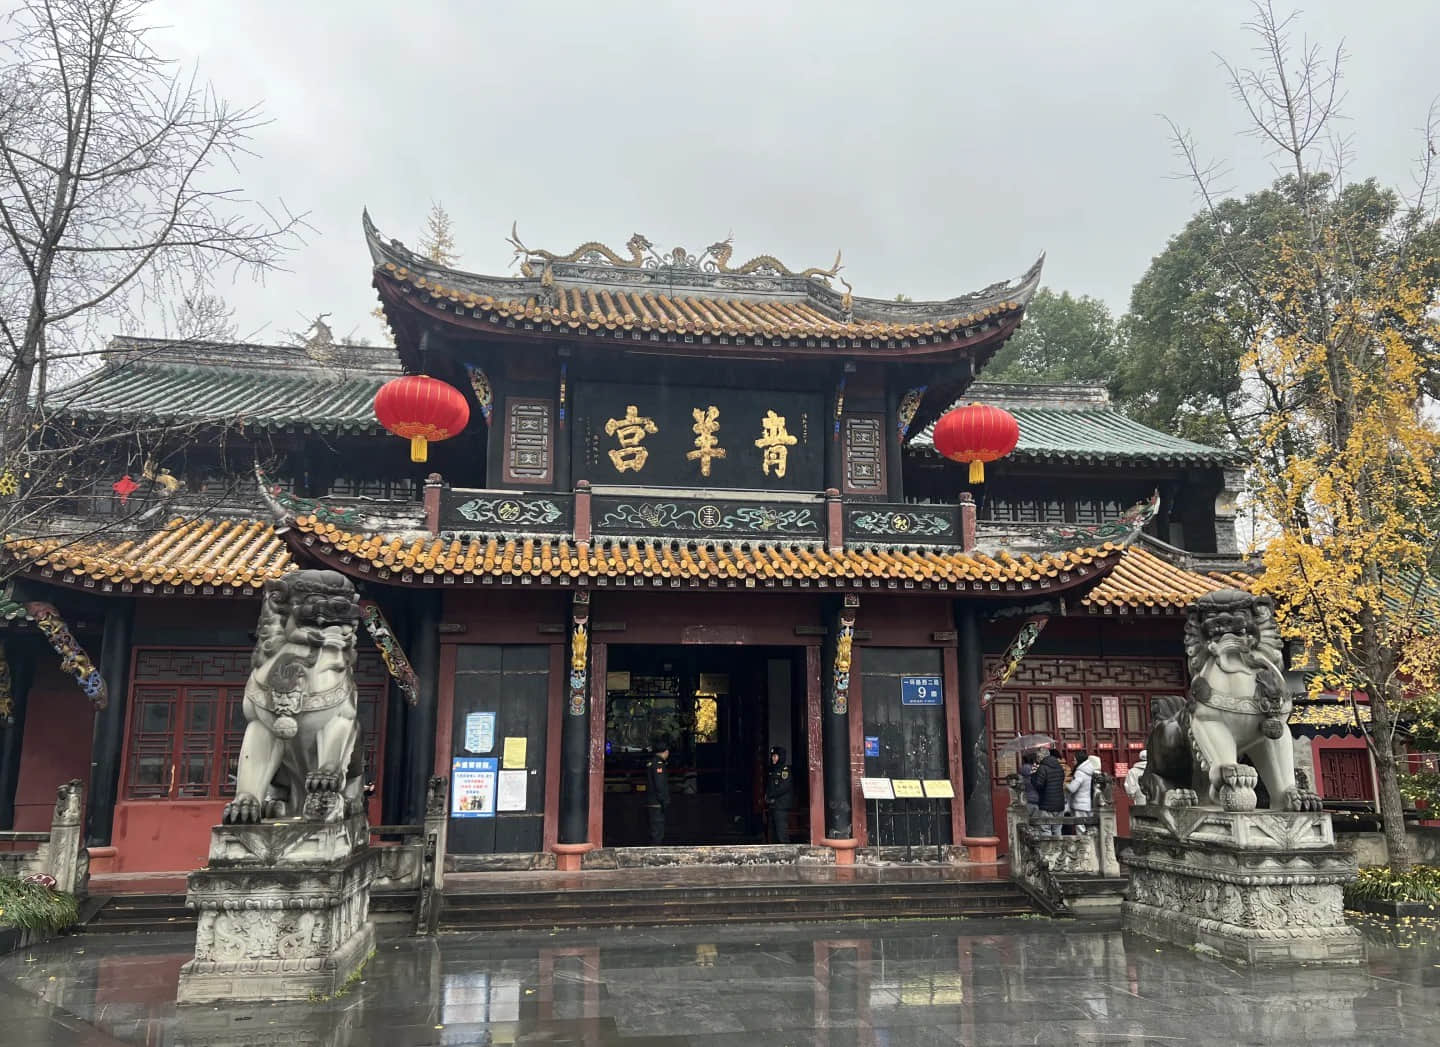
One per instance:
(696,503)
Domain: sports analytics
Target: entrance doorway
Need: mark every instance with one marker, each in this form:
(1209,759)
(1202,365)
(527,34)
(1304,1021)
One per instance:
(720,710)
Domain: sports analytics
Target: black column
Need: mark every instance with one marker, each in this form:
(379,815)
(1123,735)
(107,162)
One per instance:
(575,737)
(894,459)
(834,449)
(392,793)
(21,658)
(560,431)
(835,728)
(420,718)
(108,741)
(974,729)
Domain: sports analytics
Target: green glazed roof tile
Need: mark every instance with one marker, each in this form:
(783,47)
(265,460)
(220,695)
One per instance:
(257,387)
(1077,423)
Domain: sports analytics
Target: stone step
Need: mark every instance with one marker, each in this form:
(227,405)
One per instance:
(778,903)
(732,898)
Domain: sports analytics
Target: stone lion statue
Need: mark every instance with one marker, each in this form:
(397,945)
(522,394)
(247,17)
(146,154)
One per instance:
(299,754)
(1238,706)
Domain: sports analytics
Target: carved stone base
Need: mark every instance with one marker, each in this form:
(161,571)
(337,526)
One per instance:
(1262,887)
(284,911)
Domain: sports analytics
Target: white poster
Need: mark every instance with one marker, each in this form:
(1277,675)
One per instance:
(511,795)
(479,732)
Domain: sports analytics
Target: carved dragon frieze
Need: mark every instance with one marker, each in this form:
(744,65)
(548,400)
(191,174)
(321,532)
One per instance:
(714,260)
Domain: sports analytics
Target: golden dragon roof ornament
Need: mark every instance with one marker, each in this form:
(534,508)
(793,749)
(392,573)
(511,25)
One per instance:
(715,259)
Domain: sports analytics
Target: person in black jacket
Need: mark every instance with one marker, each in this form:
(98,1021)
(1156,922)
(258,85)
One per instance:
(657,787)
(779,798)
(1049,781)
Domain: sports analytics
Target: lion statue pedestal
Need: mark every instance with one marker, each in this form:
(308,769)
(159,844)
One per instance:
(284,900)
(1206,867)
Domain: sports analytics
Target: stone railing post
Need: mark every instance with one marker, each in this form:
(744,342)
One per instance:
(1103,804)
(432,855)
(1017,816)
(67,859)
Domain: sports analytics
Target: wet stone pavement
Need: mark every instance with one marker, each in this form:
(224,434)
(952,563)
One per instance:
(987,983)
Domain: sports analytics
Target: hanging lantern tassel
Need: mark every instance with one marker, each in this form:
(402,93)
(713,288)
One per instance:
(976,434)
(421,409)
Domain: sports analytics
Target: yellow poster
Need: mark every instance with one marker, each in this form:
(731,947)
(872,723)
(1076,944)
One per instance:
(939,789)
(908,788)
(514,753)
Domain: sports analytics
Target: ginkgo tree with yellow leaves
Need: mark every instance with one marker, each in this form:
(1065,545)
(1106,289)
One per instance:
(1342,333)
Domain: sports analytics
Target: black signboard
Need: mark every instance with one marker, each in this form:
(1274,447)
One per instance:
(689,436)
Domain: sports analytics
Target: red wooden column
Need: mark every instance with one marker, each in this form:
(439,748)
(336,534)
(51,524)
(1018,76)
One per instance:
(951,668)
(572,839)
(598,662)
(812,743)
(554,729)
(859,816)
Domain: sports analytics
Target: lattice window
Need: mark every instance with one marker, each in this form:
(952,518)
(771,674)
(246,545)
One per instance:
(1083,688)
(1345,774)
(187,720)
(402,490)
(1097,510)
(529,453)
(864,454)
(1022,510)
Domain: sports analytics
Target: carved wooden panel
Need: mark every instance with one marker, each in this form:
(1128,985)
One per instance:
(864,454)
(187,720)
(529,441)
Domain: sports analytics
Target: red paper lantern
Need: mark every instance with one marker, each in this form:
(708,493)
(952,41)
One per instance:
(420,409)
(976,434)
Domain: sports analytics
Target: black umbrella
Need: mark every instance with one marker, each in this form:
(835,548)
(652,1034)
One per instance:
(1027,742)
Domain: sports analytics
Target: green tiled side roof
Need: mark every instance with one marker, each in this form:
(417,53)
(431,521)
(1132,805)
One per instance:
(1101,434)
(1077,424)
(257,387)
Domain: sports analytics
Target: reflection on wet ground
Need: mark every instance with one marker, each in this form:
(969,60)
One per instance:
(992,982)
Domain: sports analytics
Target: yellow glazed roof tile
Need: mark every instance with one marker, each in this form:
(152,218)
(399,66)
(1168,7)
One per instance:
(1143,580)
(564,560)
(223,554)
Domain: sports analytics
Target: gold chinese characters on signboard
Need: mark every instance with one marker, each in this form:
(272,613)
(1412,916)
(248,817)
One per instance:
(630,431)
(775,442)
(707,447)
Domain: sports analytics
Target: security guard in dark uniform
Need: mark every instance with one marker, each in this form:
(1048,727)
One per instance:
(779,798)
(657,786)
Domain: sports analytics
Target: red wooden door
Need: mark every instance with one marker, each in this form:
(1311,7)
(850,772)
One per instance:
(1099,705)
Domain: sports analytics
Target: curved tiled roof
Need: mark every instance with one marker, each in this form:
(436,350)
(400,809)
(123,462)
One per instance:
(259,396)
(678,295)
(561,560)
(223,556)
(238,556)
(1142,580)
(586,309)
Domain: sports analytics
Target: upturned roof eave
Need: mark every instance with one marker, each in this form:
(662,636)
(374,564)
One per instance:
(517,299)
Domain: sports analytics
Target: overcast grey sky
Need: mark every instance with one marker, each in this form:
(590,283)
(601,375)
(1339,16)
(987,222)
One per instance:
(941,145)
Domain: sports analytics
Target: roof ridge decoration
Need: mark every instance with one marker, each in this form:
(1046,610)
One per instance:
(714,259)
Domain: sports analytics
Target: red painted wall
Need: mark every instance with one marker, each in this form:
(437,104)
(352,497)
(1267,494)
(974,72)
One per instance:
(56,747)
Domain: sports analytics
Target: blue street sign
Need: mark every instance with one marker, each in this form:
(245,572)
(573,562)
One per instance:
(921,690)
(872,745)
